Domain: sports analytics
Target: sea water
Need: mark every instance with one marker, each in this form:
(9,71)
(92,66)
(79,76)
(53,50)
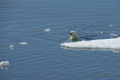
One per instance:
(43,58)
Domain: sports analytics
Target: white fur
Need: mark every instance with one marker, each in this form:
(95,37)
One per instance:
(74,36)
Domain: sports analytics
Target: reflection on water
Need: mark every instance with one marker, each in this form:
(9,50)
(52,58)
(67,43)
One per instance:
(91,49)
(116,50)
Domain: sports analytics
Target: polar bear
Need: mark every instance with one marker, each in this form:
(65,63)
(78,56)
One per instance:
(74,36)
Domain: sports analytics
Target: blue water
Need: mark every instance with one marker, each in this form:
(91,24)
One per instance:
(43,58)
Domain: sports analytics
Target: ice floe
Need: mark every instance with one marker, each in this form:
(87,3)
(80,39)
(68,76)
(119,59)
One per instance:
(101,32)
(114,35)
(47,30)
(104,44)
(111,25)
(11,46)
(4,65)
(23,43)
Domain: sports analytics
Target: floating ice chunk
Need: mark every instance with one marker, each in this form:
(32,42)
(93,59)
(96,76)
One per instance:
(47,30)
(101,32)
(4,65)
(11,46)
(23,43)
(111,25)
(113,35)
(106,44)
(100,43)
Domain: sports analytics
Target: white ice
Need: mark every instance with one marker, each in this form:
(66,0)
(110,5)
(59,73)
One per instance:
(113,35)
(113,43)
(4,64)
(23,43)
(47,30)
(11,46)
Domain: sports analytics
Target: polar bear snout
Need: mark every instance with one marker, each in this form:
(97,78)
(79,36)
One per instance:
(73,33)
(70,33)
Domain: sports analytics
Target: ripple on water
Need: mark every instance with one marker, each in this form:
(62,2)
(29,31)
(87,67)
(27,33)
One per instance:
(43,57)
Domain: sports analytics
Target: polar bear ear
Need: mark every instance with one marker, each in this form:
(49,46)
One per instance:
(75,32)
(72,31)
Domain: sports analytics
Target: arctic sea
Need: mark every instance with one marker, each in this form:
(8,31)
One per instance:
(43,58)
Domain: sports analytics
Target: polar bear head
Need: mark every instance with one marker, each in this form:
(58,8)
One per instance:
(74,36)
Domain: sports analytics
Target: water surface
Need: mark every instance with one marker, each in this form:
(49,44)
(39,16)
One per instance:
(43,58)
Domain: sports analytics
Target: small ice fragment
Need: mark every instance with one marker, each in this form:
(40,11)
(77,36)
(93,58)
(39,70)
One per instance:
(113,35)
(101,32)
(4,65)
(23,43)
(111,25)
(47,30)
(11,46)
